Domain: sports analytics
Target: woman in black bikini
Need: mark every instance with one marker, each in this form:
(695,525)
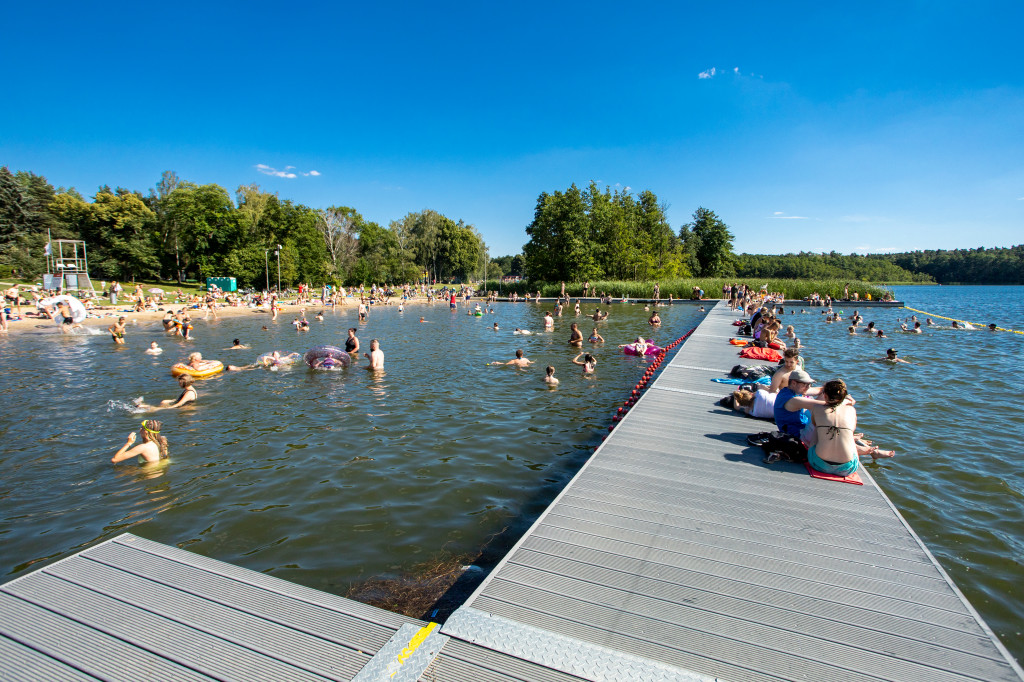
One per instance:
(188,395)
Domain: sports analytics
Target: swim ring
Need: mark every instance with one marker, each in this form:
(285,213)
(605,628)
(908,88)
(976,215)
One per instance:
(268,359)
(631,350)
(208,369)
(327,357)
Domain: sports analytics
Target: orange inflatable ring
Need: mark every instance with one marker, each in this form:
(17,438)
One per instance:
(208,369)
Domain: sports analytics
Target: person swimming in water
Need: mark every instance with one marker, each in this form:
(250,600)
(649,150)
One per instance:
(237,345)
(352,343)
(890,357)
(375,356)
(152,449)
(575,336)
(519,360)
(549,376)
(595,337)
(154,349)
(589,363)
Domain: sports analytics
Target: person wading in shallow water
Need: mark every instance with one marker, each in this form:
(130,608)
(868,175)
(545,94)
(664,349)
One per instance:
(153,447)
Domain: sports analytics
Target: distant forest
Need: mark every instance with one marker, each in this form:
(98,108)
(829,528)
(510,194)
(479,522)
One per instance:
(960,266)
(180,230)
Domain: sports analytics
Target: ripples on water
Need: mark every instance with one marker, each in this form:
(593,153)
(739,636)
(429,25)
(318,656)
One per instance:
(322,478)
(328,478)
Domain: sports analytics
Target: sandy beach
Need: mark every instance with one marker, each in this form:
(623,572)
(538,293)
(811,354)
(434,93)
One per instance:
(104,316)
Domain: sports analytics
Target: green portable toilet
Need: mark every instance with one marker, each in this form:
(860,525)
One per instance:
(222,283)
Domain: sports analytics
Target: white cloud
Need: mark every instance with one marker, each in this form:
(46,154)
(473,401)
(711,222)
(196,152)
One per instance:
(713,71)
(780,215)
(1020,198)
(287,172)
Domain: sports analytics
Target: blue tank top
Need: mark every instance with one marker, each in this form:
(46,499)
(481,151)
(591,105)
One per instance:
(786,421)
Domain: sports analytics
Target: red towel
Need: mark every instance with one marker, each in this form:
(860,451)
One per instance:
(853,478)
(767,354)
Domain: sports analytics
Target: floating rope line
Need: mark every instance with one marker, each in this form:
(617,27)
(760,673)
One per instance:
(953,319)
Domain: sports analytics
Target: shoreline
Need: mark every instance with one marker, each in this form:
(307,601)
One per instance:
(109,314)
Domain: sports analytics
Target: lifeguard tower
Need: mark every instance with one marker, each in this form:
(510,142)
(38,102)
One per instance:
(67,266)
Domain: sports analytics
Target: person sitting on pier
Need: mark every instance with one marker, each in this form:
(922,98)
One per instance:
(791,361)
(837,451)
(793,404)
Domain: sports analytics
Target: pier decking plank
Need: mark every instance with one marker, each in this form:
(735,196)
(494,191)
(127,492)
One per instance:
(131,609)
(676,544)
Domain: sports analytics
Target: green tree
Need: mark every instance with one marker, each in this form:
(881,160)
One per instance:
(711,242)
(206,224)
(119,230)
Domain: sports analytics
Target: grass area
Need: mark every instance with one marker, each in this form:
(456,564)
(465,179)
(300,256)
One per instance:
(712,286)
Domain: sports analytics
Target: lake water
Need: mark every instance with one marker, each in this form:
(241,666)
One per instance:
(328,478)
(321,478)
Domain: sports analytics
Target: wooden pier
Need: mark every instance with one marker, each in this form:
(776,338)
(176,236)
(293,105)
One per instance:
(674,554)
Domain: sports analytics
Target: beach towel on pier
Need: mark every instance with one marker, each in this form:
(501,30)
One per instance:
(767,354)
(853,478)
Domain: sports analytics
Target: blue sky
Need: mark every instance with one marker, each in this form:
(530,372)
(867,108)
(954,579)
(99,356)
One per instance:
(864,127)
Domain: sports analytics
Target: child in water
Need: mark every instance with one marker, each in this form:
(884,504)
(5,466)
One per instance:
(549,377)
(152,449)
(154,349)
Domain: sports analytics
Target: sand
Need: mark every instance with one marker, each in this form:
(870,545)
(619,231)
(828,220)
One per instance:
(109,314)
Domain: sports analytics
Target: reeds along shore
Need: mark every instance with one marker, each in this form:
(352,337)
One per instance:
(683,288)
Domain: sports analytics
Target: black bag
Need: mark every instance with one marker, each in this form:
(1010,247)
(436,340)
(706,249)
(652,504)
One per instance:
(779,446)
(752,373)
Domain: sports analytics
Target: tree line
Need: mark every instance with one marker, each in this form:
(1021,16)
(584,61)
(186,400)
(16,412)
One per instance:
(184,231)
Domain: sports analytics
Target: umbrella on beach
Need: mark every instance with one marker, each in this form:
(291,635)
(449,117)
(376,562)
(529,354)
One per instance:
(156,290)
